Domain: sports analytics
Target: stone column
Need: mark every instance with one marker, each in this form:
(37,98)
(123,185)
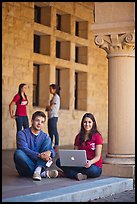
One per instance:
(120,158)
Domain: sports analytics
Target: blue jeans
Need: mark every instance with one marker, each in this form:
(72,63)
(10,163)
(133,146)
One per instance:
(24,165)
(22,121)
(92,172)
(52,129)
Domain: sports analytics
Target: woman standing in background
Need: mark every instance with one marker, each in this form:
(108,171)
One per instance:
(20,115)
(53,109)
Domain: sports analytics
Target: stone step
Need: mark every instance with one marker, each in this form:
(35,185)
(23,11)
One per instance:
(82,192)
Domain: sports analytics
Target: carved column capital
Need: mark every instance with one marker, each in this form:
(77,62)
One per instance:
(117,44)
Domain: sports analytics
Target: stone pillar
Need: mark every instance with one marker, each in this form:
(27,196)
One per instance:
(120,158)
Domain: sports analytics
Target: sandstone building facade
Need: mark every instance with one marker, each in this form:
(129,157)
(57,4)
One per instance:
(47,43)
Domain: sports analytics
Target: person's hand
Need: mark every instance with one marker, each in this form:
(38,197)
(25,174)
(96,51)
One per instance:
(47,108)
(13,116)
(88,164)
(46,156)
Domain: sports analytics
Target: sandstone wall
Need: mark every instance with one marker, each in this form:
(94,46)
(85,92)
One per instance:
(17,67)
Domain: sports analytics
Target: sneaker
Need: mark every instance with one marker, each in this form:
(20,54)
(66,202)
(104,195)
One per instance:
(36,176)
(52,174)
(81,176)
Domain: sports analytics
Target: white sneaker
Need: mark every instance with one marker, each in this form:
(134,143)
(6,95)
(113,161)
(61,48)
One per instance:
(36,176)
(52,174)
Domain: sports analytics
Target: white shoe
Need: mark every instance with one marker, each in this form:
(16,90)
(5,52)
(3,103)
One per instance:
(36,176)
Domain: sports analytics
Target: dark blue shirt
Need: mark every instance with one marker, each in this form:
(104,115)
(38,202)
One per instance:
(32,144)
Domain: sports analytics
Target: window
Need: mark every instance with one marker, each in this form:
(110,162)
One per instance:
(58,17)
(81,29)
(76,90)
(63,21)
(37,14)
(81,54)
(58,77)
(35,85)
(36,43)
(57,49)
(77,29)
(76,54)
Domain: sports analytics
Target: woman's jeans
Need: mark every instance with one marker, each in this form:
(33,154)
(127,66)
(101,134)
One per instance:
(52,130)
(93,171)
(22,121)
(24,165)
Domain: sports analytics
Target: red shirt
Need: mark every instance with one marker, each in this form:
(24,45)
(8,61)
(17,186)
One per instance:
(21,108)
(90,147)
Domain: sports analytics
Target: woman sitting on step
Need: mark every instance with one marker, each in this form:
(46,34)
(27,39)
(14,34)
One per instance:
(91,140)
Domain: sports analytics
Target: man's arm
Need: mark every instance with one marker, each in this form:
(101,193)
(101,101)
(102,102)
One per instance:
(46,149)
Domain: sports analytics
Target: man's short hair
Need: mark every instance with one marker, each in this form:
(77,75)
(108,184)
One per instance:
(38,113)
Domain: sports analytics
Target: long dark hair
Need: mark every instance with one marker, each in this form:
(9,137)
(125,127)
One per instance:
(93,129)
(56,87)
(19,92)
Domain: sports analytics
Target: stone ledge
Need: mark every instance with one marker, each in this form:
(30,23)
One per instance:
(74,193)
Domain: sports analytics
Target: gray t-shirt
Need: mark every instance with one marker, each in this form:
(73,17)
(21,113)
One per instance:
(56,101)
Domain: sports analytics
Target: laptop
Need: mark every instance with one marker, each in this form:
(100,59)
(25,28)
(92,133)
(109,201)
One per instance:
(72,157)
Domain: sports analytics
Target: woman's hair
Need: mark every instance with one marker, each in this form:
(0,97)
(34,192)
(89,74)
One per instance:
(38,113)
(93,129)
(55,86)
(19,91)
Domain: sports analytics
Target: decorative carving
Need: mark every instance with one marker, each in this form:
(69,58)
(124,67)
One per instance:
(116,42)
(130,39)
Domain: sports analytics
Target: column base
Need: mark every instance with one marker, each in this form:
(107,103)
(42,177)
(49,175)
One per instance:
(119,159)
(119,165)
(119,170)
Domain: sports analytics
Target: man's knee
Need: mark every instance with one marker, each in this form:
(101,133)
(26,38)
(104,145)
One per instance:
(18,154)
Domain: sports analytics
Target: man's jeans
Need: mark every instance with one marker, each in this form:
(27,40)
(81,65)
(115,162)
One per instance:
(24,165)
(93,171)
(52,130)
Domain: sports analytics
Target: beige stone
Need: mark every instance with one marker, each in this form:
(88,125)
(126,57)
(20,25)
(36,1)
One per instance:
(18,28)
